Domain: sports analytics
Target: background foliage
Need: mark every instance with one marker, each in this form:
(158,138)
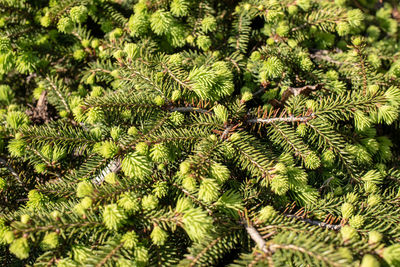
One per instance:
(199,133)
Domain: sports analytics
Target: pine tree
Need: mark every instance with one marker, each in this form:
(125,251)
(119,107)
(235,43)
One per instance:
(199,133)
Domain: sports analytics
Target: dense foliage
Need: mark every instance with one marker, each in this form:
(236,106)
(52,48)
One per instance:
(199,133)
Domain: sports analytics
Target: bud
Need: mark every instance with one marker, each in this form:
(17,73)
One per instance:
(115,132)
(189,183)
(311,104)
(293,10)
(63,113)
(130,240)
(328,157)
(113,216)
(271,68)
(209,190)
(184,167)
(348,233)
(247,6)
(190,39)
(304,4)
(219,172)
(391,255)
(83,189)
(312,161)
(55,214)
(159,152)
(6,93)
(280,167)
(25,218)
(149,202)
(20,248)
(369,261)
(86,202)
(115,73)
(356,221)
(95,43)
(159,101)
(374,200)
(267,213)
(9,237)
(357,41)
(374,237)
(118,55)
(158,236)
(176,95)
(50,241)
(255,56)
(129,202)
(78,13)
(91,79)
(370,188)
(247,96)
(177,118)
(111,178)
(343,28)
(116,33)
(235,137)
(79,209)
(85,43)
(65,25)
(280,185)
(131,50)
(79,54)
(141,254)
(133,131)
(108,149)
(45,21)
(347,210)
(209,24)
(301,129)
(221,112)
(203,42)
(160,189)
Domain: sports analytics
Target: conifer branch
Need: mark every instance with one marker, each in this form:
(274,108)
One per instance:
(290,118)
(56,90)
(257,238)
(159,124)
(323,55)
(13,172)
(113,166)
(110,255)
(190,109)
(335,227)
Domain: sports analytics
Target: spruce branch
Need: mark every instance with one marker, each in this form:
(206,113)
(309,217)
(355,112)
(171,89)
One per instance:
(14,173)
(159,124)
(257,238)
(110,255)
(59,94)
(335,227)
(113,166)
(290,118)
(304,90)
(190,109)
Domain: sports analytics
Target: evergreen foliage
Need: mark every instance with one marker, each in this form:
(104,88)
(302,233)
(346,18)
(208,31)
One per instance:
(199,133)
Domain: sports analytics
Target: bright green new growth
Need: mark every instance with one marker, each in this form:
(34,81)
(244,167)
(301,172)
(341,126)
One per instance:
(199,133)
